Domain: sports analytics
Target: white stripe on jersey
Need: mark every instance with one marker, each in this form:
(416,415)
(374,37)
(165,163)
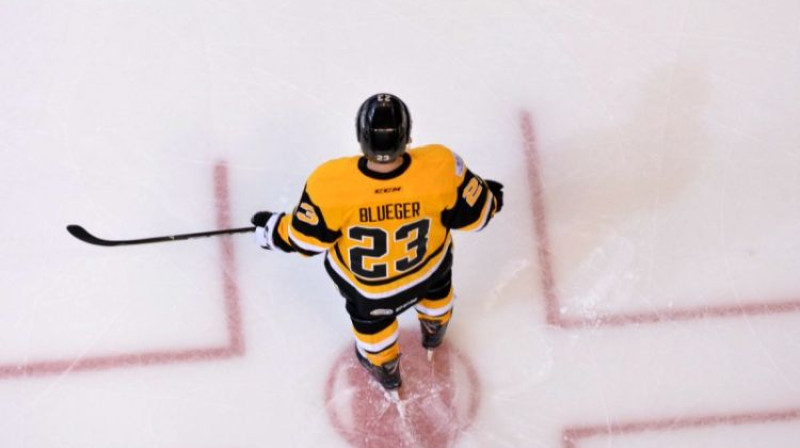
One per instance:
(487,210)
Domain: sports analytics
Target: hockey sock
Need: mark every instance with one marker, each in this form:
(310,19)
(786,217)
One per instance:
(436,310)
(378,342)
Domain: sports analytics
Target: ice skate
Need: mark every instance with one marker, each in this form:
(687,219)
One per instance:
(388,374)
(432,335)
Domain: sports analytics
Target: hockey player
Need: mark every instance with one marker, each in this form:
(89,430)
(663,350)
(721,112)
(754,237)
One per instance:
(383,221)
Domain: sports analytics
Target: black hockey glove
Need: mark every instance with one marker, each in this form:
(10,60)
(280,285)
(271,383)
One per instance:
(497,190)
(265,223)
(260,218)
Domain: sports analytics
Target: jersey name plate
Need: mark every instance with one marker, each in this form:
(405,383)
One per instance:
(384,212)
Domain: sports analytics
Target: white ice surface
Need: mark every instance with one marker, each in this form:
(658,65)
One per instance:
(670,161)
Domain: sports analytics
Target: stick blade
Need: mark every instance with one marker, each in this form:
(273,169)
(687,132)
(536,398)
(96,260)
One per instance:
(83,235)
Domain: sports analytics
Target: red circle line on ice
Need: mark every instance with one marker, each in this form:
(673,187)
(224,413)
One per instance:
(438,400)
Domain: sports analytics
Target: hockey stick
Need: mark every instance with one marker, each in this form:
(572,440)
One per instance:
(83,235)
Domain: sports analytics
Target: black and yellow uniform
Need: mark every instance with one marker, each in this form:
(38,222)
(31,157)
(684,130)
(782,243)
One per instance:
(386,236)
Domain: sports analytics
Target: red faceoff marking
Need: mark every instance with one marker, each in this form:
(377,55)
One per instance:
(439,399)
(234,346)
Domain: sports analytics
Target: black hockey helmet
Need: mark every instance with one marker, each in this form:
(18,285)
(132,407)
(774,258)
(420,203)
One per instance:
(383,127)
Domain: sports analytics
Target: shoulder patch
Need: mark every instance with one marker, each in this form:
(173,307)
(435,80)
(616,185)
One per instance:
(459,165)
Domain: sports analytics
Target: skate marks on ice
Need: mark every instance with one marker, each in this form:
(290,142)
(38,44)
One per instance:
(438,399)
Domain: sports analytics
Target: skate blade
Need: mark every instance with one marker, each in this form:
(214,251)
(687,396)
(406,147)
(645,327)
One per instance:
(394,397)
(430,355)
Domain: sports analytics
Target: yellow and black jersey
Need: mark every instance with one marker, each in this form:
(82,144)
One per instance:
(385,234)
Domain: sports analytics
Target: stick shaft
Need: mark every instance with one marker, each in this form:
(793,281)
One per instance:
(83,235)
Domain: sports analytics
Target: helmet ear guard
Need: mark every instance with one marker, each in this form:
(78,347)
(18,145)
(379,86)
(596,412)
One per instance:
(383,127)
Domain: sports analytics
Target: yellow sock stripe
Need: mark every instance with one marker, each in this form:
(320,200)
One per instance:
(378,341)
(437,307)
(437,304)
(384,356)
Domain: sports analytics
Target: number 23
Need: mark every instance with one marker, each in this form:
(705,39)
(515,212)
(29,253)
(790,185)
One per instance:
(415,232)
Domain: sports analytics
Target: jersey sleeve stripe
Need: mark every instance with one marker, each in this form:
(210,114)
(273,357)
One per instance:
(487,211)
(302,242)
(469,209)
(309,220)
(280,235)
(483,218)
